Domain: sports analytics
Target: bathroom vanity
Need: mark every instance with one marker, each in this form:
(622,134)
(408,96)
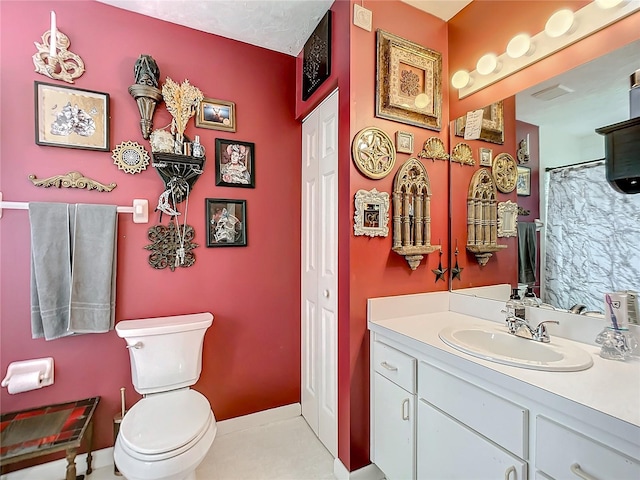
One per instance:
(438,412)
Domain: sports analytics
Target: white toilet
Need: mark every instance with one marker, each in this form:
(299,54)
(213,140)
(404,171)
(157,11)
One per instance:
(167,434)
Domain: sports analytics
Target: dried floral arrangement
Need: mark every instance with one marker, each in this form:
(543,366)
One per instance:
(182,101)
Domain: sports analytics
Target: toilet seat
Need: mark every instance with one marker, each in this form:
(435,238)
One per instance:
(163,425)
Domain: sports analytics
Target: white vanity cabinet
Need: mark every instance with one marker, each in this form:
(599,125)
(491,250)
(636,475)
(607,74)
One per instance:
(564,453)
(393,412)
(466,432)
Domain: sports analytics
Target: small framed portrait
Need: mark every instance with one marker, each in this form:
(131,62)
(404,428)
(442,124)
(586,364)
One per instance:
(486,156)
(216,115)
(71,117)
(404,142)
(523,183)
(226,222)
(235,163)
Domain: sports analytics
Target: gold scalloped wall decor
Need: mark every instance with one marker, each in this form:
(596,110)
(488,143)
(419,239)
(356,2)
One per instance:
(130,157)
(72,180)
(433,148)
(463,154)
(373,153)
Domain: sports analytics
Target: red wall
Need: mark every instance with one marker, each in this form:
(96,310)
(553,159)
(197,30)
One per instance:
(252,351)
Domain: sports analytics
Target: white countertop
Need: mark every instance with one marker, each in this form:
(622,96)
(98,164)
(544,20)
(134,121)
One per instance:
(609,386)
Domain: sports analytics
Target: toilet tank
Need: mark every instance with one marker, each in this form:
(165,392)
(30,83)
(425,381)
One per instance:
(165,352)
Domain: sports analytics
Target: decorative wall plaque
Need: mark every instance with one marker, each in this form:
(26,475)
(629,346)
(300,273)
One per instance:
(372,213)
(434,149)
(130,157)
(505,172)
(462,154)
(373,152)
(316,59)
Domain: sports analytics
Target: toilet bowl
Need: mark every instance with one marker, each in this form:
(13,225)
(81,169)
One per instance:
(166,434)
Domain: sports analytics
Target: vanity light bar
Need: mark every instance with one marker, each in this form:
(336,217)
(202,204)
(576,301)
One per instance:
(589,19)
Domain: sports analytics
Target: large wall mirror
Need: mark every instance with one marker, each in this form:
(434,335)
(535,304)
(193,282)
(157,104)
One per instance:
(577,238)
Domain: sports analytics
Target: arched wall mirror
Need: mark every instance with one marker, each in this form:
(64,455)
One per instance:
(577,237)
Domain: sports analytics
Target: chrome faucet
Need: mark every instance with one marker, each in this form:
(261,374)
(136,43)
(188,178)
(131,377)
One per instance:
(520,328)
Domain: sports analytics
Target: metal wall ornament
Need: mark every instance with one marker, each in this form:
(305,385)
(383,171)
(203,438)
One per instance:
(72,180)
(145,91)
(167,242)
(482,221)
(372,213)
(462,154)
(507,219)
(373,153)
(408,82)
(505,172)
(55,61)
(316,57)
(412,213)
(131,157)
(434,149)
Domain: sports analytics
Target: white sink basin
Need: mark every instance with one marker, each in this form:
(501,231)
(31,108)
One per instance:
(499,346)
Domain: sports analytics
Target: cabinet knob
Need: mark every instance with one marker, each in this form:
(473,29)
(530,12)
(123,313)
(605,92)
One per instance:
(405,409)
(509,471)
(578,472)
(391,368)
(326,293)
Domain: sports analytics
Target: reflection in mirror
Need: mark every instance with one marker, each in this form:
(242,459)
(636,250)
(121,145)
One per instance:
(577,236)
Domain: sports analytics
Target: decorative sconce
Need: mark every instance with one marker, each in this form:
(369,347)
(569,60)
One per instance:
(482,217)
(146,91)
(53,59)
(412,213)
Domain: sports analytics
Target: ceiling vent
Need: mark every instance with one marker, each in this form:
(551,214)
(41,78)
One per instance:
(552,92)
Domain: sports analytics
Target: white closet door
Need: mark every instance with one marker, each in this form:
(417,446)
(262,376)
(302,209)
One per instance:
(319,301)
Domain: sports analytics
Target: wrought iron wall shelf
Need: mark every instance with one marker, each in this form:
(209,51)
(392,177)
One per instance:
(178,172)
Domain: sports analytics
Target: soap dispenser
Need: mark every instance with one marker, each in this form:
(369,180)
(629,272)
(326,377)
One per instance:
(530,299)
(515,306)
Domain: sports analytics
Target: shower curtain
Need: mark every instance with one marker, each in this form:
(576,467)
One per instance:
(592,237)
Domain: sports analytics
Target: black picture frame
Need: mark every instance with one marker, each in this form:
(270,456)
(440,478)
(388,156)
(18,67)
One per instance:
(226,222)
(523,182)
(316,57)
(235,163)
(71,117)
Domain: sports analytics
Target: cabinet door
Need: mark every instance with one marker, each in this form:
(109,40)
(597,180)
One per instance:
(394,440)
(449,450)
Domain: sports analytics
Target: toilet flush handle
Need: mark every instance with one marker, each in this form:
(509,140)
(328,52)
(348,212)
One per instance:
(135,345)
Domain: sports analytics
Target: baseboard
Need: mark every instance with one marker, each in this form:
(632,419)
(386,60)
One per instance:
(104,457)
(101,458)
(369,472)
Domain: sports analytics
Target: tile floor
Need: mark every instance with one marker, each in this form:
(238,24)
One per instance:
(287,449)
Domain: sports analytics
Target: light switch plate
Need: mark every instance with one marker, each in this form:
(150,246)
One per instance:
(362,17)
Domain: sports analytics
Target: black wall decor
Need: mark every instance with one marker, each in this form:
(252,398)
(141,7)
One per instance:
(316,66)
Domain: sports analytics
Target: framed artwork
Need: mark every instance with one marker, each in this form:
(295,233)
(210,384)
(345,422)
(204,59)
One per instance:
(404,142)
(523,183)
(235,163)
(408,82)
(486,156)
(492,129)
(216,115)
(71,117)
(226,222)
(507,219)
(316,57)
(372,213)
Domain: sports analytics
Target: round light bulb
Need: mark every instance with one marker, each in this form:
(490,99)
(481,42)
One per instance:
(460,79)
(487,64)
(559,23)
(606,4)
(421,101)
(519,45)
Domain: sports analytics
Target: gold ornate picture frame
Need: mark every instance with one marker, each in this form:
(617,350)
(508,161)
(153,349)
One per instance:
(492,124)
(408,82)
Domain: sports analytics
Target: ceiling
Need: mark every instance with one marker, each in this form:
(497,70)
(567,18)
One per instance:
(280,25)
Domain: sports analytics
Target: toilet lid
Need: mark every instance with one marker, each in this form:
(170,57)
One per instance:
(166,421)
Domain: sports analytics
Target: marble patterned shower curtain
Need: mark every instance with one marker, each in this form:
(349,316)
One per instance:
(592,238)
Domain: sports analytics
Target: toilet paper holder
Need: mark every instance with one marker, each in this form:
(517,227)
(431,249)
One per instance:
(42,365)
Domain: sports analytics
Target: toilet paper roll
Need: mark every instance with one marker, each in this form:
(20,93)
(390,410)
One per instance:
(23,382)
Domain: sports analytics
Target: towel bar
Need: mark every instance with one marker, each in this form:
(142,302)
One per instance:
(139,209)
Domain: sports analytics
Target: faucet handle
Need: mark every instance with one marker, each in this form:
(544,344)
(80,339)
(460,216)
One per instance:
(541,333)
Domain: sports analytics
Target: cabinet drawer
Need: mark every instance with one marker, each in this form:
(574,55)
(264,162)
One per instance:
(398,367)
(504,422)
(565,453)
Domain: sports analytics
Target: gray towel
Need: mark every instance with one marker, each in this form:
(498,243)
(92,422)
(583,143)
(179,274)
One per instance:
(50,269)
(527,252)
(73,266)
(93,269)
